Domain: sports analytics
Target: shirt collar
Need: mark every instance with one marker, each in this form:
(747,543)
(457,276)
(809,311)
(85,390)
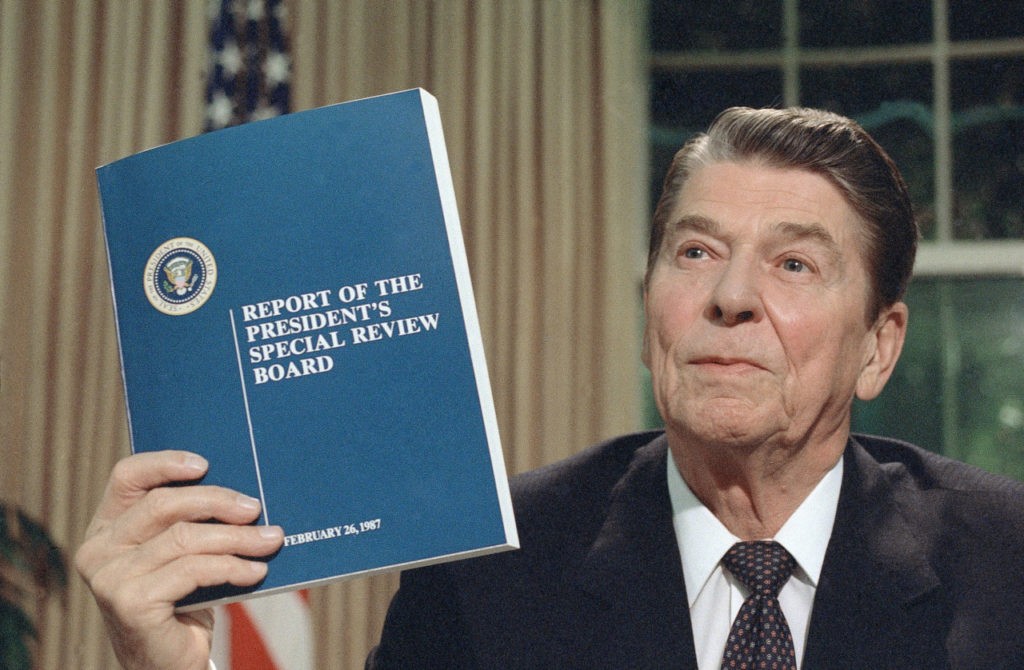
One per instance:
(703,539)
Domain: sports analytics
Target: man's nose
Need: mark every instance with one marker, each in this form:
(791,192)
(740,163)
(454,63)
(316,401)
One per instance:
(737,294)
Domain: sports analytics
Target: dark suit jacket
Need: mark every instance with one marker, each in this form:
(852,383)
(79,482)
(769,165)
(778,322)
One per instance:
(925,569)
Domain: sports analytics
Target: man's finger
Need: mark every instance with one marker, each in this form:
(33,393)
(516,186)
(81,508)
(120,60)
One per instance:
(135,475)
(164,507)
(148,599)
(205,539)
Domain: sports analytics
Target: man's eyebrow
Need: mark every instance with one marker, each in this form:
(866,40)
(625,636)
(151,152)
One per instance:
(695,223)
(791,231)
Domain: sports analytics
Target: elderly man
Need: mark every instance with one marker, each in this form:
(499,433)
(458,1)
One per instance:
(755,531)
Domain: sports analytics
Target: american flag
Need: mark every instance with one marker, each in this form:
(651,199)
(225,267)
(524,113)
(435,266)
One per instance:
(249,76)
(249,68)
(269,633)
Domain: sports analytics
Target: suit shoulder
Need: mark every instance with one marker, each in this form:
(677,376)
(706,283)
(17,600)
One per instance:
(563,504)
(582,476)
(926,471)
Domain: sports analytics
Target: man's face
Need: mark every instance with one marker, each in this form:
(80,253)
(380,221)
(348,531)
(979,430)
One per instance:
(756,310)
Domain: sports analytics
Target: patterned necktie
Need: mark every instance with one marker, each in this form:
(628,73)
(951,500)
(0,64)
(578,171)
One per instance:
(760,636)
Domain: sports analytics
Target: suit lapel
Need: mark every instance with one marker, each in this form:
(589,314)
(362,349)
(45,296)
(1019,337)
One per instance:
(634,567)
(878,604)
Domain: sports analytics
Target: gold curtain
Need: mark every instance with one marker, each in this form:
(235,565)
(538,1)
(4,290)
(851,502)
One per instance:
(544,108)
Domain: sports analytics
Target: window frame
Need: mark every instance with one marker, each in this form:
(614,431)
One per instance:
(944,255)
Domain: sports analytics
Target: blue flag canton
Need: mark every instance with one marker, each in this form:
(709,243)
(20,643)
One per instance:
(249,68)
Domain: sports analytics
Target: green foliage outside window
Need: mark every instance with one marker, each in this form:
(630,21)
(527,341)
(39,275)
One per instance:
(958,387)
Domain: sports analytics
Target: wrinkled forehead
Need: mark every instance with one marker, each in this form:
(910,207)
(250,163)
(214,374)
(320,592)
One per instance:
(790,201)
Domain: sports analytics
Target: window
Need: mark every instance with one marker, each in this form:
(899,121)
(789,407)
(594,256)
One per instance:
(940,83)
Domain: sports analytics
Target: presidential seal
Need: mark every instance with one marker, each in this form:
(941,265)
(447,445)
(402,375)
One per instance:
(180,276)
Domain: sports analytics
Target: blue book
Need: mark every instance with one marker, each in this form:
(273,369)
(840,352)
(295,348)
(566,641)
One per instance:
(293,302)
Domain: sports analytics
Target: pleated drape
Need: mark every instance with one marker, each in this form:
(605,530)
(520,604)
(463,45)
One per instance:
(544,108)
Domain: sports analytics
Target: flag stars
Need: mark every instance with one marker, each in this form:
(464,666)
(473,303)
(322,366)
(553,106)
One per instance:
(255,10)
(230,58)
(280,12)
(250,69)
(220,110)
(277,68)
(264,112)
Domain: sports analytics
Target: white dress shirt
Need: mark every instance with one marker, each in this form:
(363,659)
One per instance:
(715,596)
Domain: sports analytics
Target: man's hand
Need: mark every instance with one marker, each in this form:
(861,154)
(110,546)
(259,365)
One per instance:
(149,545)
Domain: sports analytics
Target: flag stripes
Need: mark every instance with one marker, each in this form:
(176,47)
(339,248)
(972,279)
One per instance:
(269,633)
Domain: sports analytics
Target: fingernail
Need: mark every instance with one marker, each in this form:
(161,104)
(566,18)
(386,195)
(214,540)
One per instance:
(271,532)
(245,502)
(195,462)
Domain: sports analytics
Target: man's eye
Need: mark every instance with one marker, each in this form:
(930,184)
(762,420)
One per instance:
(793,265)
(694,253)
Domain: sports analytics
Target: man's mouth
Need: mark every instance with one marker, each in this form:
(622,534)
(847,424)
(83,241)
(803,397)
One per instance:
(735,363)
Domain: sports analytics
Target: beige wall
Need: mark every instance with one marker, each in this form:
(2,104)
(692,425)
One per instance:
(544,106)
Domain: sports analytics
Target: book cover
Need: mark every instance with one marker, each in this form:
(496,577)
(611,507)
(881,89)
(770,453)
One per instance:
(293,302)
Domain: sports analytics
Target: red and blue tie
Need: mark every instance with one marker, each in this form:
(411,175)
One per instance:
(760,636)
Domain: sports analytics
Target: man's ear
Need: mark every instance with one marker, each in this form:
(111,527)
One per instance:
(885,342)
